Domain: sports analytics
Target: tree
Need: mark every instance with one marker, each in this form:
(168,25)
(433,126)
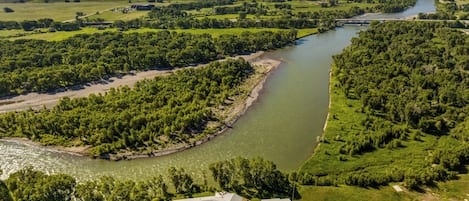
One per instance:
(28,184)
(8,10)
(182,181)
(29,25)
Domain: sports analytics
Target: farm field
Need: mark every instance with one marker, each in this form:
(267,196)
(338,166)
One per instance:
(58,11)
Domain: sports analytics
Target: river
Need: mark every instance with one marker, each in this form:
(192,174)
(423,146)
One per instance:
(281,126)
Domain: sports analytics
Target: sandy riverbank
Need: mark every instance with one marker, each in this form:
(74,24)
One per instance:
(263,66)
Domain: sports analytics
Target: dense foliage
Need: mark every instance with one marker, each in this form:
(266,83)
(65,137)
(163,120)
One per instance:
(408,84)
(263,180)
(153,115)
(252,178)
(36,65)
(29,25)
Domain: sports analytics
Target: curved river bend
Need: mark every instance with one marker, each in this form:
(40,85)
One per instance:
(281,126)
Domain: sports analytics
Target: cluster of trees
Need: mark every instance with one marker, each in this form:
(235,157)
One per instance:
(37,65)
(251,178)
(409,80)
(29,25)
(201,4)
(248,8)
(154,114)
(406,76)
(205,23)
(255,174)
(436,16)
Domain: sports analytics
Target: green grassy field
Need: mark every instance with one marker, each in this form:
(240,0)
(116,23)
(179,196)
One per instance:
(461,2)
(450,190)
(59,11)
(14,32)
(352,193)
(113,16)
(61,35)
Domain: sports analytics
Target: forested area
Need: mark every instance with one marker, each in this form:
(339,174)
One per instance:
(32,185)
(406,87)
(40,66)
(155,114)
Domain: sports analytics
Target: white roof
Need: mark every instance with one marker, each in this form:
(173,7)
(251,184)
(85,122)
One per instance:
(217,197)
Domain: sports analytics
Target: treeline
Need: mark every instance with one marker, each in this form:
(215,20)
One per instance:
(410,81)
(448,10)
(205,23)
(248,8)
(32,185)
(154,115)
(37,65)
(30,25)
(200,4)
(253,178)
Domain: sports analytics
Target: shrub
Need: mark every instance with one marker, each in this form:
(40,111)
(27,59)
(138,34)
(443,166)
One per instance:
(8,10)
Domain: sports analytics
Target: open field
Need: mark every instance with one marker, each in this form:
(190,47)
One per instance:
(116,15)
(461,2)
(352,193)
(450,190)
(13,33)
(62,35)
(58,11)
(59,35)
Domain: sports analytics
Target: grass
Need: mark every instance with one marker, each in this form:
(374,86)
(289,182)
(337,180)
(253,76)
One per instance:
(352,193)
(461,2)
(62,35)
(450,190)
(58,11)
(113,16)
(453,190)
(11,33)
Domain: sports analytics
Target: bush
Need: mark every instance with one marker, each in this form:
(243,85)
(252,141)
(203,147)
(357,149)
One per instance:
(8,10)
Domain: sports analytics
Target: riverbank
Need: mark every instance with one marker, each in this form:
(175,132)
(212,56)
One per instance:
(239,105)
